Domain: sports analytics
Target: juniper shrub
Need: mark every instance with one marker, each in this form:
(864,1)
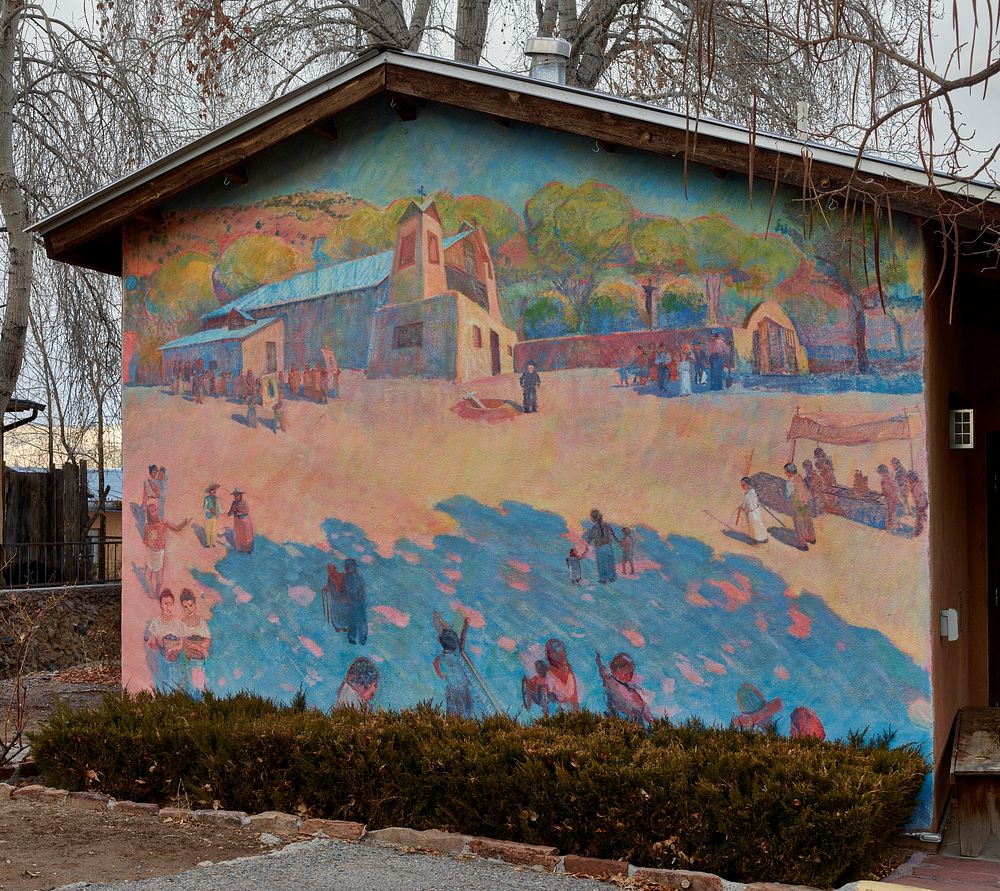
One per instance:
(747,806)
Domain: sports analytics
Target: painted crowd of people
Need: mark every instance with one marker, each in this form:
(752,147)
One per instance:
(814,491)
(317,382)
(182,642)
(694,364)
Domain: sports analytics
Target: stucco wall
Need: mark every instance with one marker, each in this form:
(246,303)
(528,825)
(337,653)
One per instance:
(447,512)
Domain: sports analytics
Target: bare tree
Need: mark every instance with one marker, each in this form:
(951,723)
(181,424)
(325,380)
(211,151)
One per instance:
(64,97)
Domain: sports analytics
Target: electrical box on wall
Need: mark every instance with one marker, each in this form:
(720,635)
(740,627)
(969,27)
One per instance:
(949,624)
(960,428)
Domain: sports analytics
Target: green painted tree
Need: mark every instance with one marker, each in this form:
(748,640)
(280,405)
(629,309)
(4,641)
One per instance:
(767,261)
(662,250)
(869,264)
(719,246)
(367,230)
(250,262)
(182,290)
(575,233)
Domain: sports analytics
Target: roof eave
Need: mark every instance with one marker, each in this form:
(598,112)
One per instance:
(89,232)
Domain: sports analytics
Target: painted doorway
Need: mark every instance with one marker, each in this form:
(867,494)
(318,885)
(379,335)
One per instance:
(495,353)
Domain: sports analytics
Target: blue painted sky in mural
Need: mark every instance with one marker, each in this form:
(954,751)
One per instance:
(380,158)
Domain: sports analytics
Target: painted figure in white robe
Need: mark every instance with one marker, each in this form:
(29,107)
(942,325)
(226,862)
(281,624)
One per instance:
(751,507)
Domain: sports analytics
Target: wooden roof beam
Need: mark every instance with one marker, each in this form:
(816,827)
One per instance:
(327,129)
(109,217)
(151,216)
(404,106)
(236,174)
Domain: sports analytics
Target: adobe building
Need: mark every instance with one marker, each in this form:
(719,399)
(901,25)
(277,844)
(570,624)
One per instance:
(426,211)
(370,312)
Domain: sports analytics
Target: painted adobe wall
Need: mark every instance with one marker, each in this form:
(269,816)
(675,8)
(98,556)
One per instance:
(436,354)
(442,513)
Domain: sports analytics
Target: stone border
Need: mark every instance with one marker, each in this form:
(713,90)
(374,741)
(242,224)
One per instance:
(276,827)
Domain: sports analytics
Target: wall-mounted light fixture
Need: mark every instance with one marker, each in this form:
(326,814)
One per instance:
(949,624)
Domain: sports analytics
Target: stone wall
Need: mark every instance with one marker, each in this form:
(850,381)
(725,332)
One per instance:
(79,625)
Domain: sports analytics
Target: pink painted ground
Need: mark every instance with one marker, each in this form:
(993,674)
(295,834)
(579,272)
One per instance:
(385,453)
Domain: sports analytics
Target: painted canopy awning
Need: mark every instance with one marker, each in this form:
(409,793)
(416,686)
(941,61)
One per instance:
(849,428)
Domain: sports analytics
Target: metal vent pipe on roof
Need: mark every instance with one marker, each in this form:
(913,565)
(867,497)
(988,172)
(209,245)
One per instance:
(548,58)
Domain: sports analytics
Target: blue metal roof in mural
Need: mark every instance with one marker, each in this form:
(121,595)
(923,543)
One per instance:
(213,335)
(352,275)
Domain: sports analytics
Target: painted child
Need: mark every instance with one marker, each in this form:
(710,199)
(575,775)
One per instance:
(154,537)
(627,544)
(530,382)
(534,690)
(574,566)
(751,507)
(359,687)
(449,665)
(560,680)
(210,506)
(623,696)
(279,415)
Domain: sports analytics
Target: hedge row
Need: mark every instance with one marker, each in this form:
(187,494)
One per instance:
(747,806)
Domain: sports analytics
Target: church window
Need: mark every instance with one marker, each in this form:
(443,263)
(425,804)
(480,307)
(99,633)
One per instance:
(404,336)
(477,337)
(407,250)
(510,351)
(433,255)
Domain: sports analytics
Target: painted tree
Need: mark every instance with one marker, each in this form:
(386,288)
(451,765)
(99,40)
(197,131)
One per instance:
(858,253)
(575,233)
(661,250)
(250,262)
(182,291)
(615,306)
(766,262)
(719,247)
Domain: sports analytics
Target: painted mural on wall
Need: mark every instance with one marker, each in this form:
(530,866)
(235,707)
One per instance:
(446,411)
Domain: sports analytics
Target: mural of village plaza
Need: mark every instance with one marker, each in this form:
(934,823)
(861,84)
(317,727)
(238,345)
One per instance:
(519,426)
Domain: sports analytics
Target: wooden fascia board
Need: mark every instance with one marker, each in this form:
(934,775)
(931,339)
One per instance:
(112,215)
(605,127)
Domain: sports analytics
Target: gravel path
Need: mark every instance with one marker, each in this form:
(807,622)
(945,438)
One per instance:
(322,864)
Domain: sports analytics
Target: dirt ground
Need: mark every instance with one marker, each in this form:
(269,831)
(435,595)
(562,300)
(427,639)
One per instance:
(48,844)
(45,845)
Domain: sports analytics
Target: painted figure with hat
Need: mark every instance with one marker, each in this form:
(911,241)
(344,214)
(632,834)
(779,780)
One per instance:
(239,510)
(530,381)
(210,505)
